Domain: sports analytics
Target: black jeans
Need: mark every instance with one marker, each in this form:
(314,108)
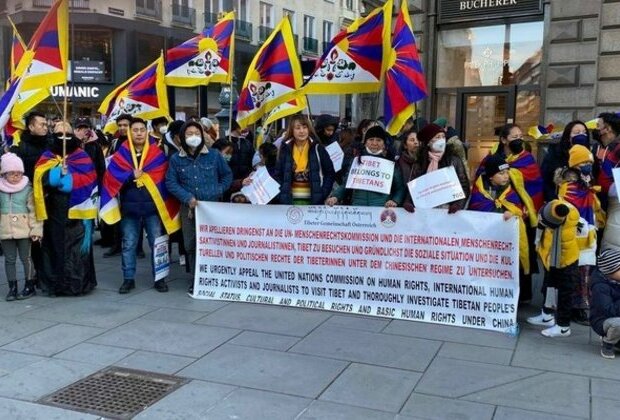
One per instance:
(565,280)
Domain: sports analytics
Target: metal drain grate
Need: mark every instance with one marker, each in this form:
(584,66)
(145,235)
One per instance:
(114,392)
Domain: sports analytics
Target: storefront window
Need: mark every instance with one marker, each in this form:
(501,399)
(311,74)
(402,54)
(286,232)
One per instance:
(186,103)
(490,55)
(149,48)
(92,55)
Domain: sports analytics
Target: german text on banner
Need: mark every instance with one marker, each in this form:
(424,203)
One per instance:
(455,269)
(274,76)
(371,173)
(205,58)
(436,188)
(356,58)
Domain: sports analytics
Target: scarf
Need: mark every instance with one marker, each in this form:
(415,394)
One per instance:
(434,158)
(301,156)
(585,200)
(532,179)
(7,187)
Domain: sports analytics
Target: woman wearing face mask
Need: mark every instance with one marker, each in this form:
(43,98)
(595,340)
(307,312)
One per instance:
(434,155)
(374,145)
(575,185)
(195,174)
(556,157)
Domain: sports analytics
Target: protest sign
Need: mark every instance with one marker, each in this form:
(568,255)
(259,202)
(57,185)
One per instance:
(263,187)
(161,258)
(436,188)
(336,154)
(616,174)
(459,269)
(371,173)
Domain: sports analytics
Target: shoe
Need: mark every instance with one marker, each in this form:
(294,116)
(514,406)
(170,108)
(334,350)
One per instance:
(546,320)
(182,260)
(556,331)
(12,295)
(127,286)
(29,290)
(140,254)
(161,286)
(190,290)
(580,316)
(608,350)
(112,253)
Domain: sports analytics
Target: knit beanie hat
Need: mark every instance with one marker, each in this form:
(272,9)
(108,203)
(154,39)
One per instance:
(494,164)
(375,131)
(10,162)
(579,154)
(427,133)
(554,213)
(441,121)
(609,261)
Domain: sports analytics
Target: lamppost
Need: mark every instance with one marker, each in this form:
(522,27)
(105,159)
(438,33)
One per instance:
(225,103)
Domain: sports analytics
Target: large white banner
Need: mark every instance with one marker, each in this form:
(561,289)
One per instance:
(455,269)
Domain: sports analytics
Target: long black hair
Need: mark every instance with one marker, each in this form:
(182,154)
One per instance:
(184,145)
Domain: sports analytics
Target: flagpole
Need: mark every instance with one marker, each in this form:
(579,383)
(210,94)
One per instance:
(232,78)
(64,129)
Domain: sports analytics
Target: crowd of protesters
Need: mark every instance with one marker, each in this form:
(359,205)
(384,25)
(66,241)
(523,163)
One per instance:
(567,206)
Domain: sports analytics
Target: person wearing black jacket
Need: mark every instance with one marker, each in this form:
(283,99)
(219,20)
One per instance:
(243,151)
(84,132)
(605,303)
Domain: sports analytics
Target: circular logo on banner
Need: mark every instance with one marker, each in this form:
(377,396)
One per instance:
(295,215)
(388,218)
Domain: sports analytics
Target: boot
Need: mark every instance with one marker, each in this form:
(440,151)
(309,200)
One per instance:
(12,295)
(29,290)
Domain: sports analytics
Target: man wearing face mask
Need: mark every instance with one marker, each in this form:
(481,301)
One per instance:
(195,174)
(84,132)
(159,129)
(608,125)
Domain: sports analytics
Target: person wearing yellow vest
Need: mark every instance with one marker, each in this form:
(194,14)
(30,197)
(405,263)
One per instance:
(557,247)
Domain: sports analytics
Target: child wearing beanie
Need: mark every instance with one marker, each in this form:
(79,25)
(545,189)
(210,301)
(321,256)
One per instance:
(557,247)
(605,304)
(18,225)
(575,186)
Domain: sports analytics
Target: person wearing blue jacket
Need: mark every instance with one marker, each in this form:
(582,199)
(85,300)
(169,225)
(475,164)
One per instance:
(605,303)
(195,174)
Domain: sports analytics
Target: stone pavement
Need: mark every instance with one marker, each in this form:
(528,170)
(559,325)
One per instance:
(249,361)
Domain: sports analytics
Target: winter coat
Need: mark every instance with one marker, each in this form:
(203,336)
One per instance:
(30,149)
(205,177)
(605,301)
(555,158)
(321,168)
(241,161)
(17,217)
(410,169)
(566,234)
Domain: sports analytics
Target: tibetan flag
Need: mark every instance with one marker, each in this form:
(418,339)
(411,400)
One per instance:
(404,80)
(18,48)
(11,95)
(153,164)
(83,199)
(539,132)
(144,95)
(204,59)
(356,59)
(274,76)
(285,109)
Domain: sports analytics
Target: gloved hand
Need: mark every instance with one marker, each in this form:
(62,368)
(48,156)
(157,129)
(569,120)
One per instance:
(409,207)
(453,208)
(54,176)
(66,183)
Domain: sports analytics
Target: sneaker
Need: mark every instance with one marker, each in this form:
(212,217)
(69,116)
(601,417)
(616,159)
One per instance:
(190,290)
(161,286)
(608,350)
(182,260)
(556,331)
(546,320)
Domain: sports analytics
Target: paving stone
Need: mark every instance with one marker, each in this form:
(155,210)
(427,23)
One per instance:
(18,307)
(54,339)
(155,362)
(266,318)
(604,388)
(451,334)
(604,409)
(15,409)
(41,378)
(355,322)
(295,374)
(167,337)
(173,300)
(456,378)
(254,404)
(375,387)
(264,340)
(371,348)
(174,315)
(97,353)
(104,314)
(190,402)
(427,407)
(476,353)
(550,392)
(507,413)
(14,328)
(11,361)
(325,410)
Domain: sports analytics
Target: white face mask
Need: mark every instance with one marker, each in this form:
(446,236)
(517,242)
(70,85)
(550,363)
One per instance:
(163,129)
(193,141)
(439,145)
(370,152)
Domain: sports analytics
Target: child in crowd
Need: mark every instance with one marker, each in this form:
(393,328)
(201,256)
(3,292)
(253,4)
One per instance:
(18,224)
(558,249)
(605,304)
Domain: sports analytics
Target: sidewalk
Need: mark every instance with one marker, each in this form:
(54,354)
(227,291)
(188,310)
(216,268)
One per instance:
(249,361)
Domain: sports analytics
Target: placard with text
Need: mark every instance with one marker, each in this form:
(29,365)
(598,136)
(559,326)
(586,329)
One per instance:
(456,269)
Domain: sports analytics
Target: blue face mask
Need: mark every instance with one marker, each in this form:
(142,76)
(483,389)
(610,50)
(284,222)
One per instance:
(586,169)
(581,139)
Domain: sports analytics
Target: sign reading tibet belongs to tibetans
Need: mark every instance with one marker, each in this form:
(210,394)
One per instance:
(458,269)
